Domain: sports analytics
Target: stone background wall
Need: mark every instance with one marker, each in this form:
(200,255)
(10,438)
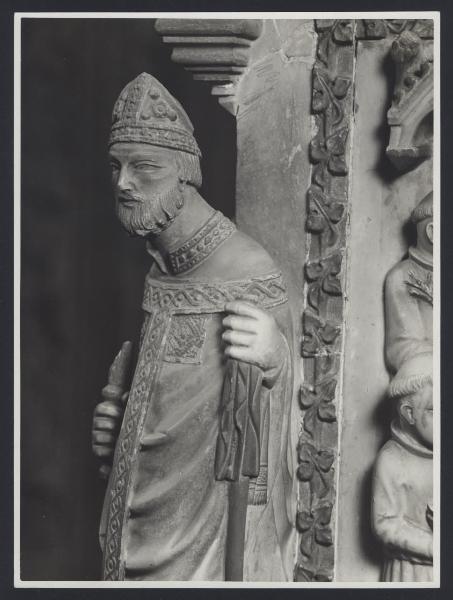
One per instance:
(379,235)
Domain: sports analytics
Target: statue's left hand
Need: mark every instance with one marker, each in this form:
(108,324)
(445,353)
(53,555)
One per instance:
(252,335)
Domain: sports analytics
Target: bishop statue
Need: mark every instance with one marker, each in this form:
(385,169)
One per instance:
(197,444)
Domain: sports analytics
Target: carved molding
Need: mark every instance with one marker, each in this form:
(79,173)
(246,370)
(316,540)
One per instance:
(377,29)
(213,50)
(327,210)
(410,116)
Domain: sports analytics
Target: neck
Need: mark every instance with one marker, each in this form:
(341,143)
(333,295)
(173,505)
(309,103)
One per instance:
(194,212)
(405,434)
(425,254)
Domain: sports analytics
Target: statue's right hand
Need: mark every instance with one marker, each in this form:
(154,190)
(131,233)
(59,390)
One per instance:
(108,415)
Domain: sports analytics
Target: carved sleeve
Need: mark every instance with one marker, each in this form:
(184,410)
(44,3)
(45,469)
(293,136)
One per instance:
(404,327)
(403,538)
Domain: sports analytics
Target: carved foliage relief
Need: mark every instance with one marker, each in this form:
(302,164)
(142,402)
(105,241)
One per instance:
(327,212)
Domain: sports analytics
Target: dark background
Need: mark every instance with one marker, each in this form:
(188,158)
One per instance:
(81,275)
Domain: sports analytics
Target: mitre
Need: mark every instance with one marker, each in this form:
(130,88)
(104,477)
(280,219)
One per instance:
(146,112)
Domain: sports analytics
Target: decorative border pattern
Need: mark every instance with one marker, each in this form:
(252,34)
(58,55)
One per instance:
(127,444)
(378,29)
(207,239)
(327,211)
(189,297)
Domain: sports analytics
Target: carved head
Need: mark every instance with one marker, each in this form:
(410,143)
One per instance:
(412,387)
(405,47)
(153,156)
(422,216)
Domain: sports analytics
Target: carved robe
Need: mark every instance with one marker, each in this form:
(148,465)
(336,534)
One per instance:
(195,421)
(402,491)
(408,309)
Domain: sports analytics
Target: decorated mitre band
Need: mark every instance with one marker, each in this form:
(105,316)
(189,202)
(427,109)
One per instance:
(146,112)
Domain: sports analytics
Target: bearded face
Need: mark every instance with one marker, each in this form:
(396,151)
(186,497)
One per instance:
(147,188)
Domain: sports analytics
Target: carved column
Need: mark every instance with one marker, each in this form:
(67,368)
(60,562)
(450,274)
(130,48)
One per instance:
(327,214)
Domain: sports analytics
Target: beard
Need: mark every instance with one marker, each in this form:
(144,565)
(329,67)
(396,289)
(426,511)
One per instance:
(151,214)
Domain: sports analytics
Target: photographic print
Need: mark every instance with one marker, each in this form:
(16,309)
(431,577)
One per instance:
(227,361)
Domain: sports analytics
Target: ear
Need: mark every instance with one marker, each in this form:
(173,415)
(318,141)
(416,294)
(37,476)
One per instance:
(430,232)
(406,412)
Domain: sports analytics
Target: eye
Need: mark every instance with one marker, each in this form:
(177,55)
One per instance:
(114,166)
(146,166)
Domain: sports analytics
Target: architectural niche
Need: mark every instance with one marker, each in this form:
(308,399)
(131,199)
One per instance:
(410,116)
(213,50)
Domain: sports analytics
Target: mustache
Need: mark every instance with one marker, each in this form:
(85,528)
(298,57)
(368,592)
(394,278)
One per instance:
(128,197)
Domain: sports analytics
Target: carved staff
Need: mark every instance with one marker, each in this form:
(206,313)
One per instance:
(238,454)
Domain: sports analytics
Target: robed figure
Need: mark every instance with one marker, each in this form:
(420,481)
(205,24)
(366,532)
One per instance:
(201,480)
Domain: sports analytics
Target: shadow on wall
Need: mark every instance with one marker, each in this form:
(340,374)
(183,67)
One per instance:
(385,168)
(82,277)
(371,547)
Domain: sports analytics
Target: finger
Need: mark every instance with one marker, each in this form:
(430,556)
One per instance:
(240,323)
(239,353)
(245,309)
(102,451)
(108,409)
(105,424)
(103,438)
(237,338)
(124,398)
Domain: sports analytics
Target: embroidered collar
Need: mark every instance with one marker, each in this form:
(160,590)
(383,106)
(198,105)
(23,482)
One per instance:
(421,258)
(409,442)
(198,248)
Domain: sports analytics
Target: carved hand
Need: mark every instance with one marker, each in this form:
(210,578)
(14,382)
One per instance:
(107,419)
(108,414)
(252,336)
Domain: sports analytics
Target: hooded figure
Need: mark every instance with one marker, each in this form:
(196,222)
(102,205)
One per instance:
(402,515)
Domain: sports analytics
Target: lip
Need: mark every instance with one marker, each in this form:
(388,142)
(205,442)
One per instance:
(127,201)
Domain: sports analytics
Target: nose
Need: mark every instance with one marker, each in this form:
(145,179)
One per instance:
(124,182)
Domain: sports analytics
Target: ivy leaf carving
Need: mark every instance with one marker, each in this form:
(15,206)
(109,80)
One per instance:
(310,420)
(314,526)
(332,285)
(304,520)
(325,460)
(335,211)
(320,98)
(319,335)
(324,275)
(327,411)
(341,86)
(305,471)
(323,536)
(329,333)
(337,165)
(306,543)
(336,142)
(307,396)
(318,403)
(343,31)
(323,513)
